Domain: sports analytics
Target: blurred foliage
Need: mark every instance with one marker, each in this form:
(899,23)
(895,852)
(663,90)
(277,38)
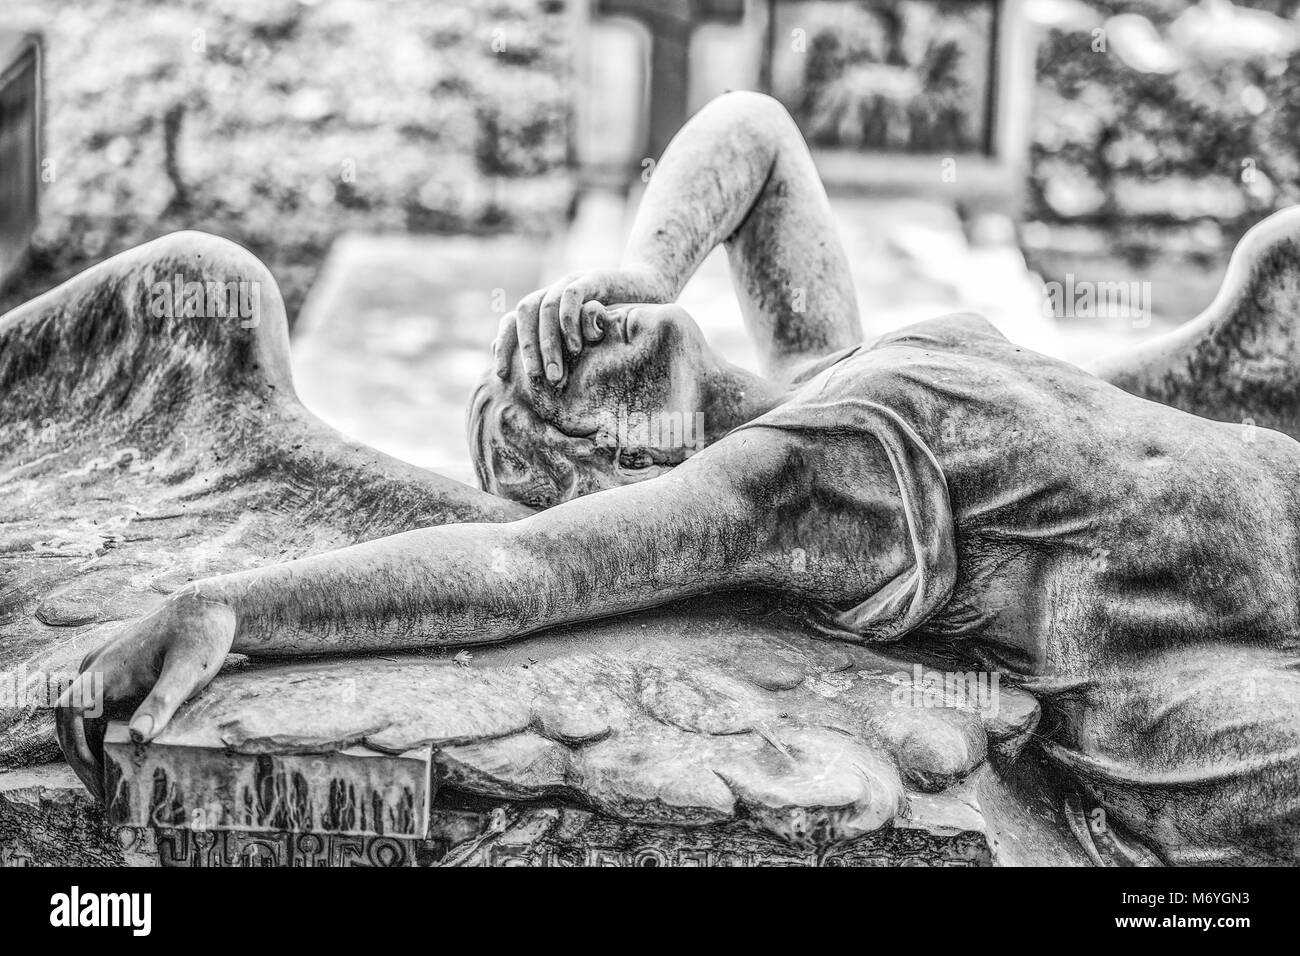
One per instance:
(279,124)
(1212,138)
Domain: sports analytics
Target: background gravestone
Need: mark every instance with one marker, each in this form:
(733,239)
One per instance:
(867,82)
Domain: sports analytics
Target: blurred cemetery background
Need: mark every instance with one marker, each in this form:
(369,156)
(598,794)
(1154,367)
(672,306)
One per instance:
(409,169)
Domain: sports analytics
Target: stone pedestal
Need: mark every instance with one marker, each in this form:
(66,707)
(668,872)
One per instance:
(1003,818)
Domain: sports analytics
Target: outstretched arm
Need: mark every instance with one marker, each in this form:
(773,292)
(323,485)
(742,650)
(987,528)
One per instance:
(731,516)
(716,522)
(738,173)
(693,530)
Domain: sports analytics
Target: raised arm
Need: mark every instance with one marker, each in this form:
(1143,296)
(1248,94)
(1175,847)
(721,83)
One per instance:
(738,173)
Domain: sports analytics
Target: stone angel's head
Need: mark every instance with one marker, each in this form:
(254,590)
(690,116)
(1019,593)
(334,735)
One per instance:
(629,407)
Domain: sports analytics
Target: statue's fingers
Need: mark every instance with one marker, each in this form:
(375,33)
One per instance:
(70,730)
(526,324)
(180,678)
(548,334)
(90,658)
(594,321)
(98,655)
(571,301)
(70,719)
(503,347)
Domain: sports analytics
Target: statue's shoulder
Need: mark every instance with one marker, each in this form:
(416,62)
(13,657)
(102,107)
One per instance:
(956,330)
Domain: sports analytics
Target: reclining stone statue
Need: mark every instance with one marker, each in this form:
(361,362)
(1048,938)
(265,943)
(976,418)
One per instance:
(1124,543)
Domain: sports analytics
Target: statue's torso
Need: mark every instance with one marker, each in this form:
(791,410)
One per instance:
(1089,524)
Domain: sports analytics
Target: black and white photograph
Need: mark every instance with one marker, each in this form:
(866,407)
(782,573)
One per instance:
(630,434)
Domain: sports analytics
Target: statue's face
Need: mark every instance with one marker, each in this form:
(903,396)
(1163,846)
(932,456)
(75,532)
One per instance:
(636,394)
(649,362)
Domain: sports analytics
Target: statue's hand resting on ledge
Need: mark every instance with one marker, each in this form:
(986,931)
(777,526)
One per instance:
(166,658)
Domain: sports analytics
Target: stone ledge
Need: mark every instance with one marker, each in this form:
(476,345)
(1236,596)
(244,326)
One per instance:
(713,714)
(48,819)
